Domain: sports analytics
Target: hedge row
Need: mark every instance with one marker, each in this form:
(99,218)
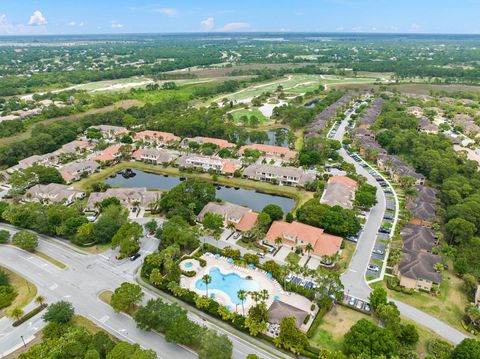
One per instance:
(29,315)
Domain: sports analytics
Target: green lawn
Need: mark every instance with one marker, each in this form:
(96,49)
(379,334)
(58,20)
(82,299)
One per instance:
(248,112)
(26,291)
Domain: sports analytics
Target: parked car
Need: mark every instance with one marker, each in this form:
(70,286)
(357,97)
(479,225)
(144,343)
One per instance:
(351,301)
(367,307)
(353,239)
(261,255)
(379,251)
(237,235)
(384,230)
(359,304)
(135,256)
(373,268)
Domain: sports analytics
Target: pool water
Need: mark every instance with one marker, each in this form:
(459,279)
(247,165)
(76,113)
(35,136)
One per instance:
(188,265)
(230,284)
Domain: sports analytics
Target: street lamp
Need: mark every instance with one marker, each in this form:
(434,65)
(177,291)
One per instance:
(25,345)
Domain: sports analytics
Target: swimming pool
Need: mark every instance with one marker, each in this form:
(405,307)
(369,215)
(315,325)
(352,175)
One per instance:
(230,284)
(188,265)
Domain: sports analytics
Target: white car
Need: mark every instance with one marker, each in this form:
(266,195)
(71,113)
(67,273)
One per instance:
(373,268)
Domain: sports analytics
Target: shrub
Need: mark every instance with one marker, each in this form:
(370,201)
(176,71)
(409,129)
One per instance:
(316,322)
(29,315)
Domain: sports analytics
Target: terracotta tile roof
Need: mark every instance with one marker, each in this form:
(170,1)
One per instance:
(344,180)
(216,141)
(156,135)
(107,154)
(138,153)
(300,234)
(247,222)
(229,167)
(270,150)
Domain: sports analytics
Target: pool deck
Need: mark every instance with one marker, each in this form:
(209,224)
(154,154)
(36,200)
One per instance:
(260,276)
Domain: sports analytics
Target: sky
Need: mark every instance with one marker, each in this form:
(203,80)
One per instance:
(24,17)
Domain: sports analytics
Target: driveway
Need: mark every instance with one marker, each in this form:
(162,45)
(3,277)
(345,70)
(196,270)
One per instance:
(282,254)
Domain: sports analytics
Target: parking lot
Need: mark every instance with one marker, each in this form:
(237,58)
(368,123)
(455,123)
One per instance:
(357,304)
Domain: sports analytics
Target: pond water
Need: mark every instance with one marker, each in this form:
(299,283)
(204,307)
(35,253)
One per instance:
(243,197)
(272,138)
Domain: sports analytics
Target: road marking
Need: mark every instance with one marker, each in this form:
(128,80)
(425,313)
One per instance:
(53,286)
(104,319)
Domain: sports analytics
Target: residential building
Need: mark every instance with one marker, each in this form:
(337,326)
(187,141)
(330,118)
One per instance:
(397,168)
(418,238)
(202,140)
(111,132)
(416,270)
(243,218)
(279,310)
(52,193)
(283,153)
(47,160)
(153,155)
(339,191)
(75,170)
(156,137)
(300,235)
(291,176)
(129,198)
(74,146)
(109,154)
(209,163)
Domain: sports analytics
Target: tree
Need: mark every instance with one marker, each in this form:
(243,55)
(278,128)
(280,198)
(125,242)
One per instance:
(151,226)
(40,299)
(309,248)
(124,350)
(408,335)
(207,279)
(242,295)
(109,222)
(365,196)
(26,240)
(4,236)
(290,337)
(263,222)
(59,312)
(213,222)
(459,230)
(126,297)
(364,337)
(16,313)
(467,349)
(275,212)
(215,346)
(389,315)
(378,297)
(108,201)
(127,238)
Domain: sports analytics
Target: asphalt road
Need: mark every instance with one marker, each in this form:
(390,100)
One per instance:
(354,279)
(83,280)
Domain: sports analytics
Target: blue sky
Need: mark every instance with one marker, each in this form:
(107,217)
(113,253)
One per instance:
(129,16)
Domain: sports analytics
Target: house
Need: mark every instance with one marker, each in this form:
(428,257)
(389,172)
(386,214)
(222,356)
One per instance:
(109,154)
(397,168)
(416,270)
(209,163)
(153,155)
(339,191)
(291,176)
(298,234)
(278,152)
(74,146)
(423,213)
(418,238)
(156,137)
(43,160)
(279,310)
(202,140)
(52,193)
(74,171)
(110,132)
(129,198)
(242,217)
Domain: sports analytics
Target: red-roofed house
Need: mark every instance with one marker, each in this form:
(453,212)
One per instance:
(247,222)
(161,138)
(108,154)
(271,151)
(216,141)
(298,234)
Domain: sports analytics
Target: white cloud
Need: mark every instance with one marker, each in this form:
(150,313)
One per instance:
(235,26)
(37,19)
(208,23)
(168,11)
(414,27)
(73,23)
(8,28)
(116,25)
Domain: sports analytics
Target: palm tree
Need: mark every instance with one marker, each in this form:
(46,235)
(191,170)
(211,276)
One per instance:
(242,295)
(207,279)
(309,248)
(264,295)
(16,313)
(255,296)
(40,300)
(278,241)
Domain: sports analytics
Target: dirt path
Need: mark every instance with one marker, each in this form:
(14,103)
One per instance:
(24,135)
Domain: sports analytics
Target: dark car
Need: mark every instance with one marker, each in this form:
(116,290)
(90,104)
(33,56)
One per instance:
(135,256)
